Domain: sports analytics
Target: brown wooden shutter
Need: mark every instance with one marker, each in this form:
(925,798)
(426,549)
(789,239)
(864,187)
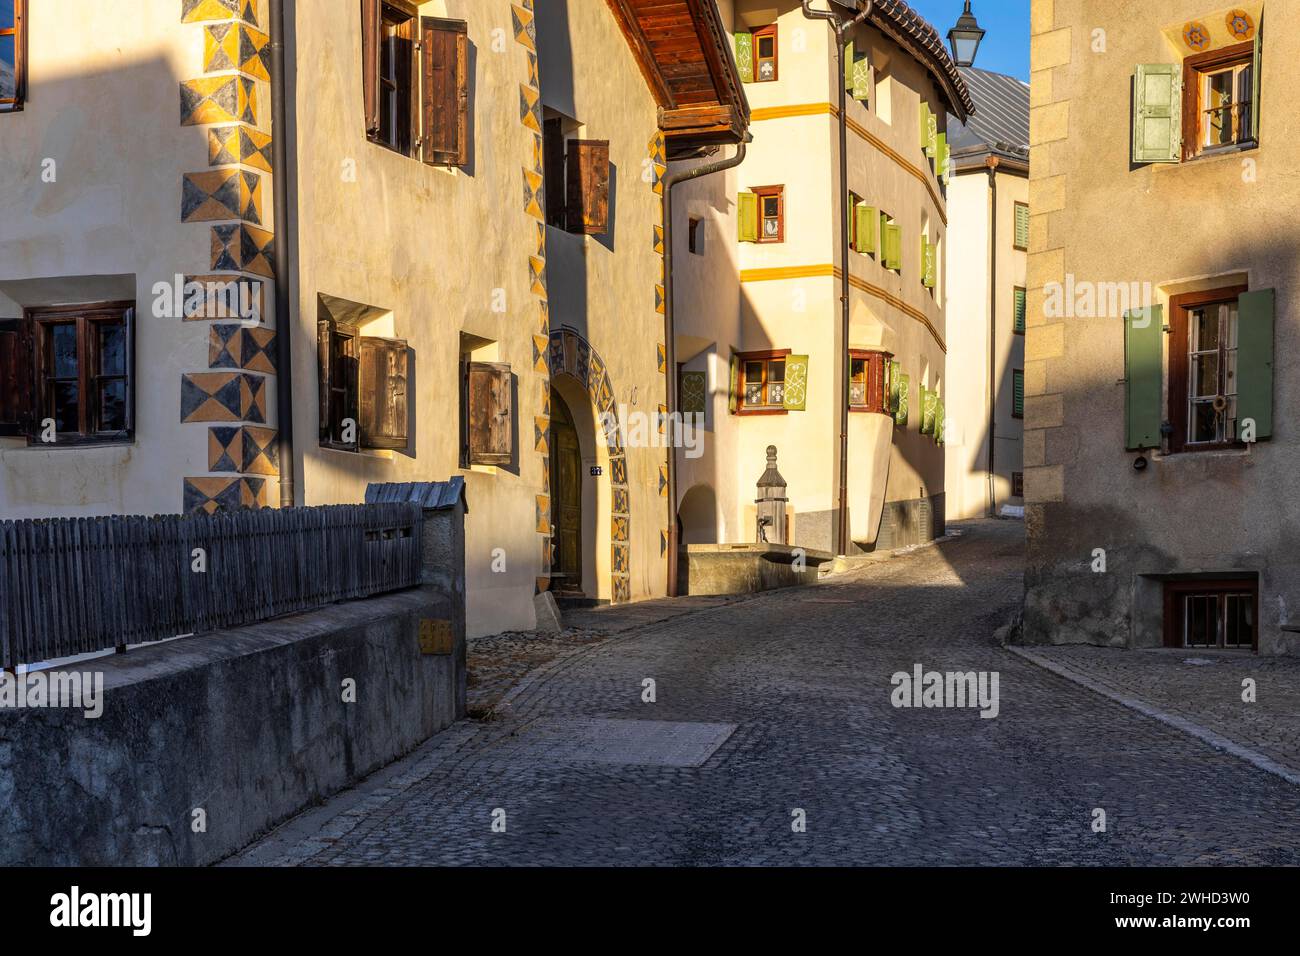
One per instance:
(323,328)
(587,186)
(16,393)
(445,91)
(371,28)
(383,406)
(489,413)
(553,168)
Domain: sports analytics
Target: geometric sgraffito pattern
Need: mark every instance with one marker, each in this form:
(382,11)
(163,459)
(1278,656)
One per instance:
(243,449)
(525,27)
(218,99)
(221,194)
(240,248)
(231,145)
(208,297)
(234,346)
(210,495)
(234,46)
(223,397)
(194,11)
(530,108)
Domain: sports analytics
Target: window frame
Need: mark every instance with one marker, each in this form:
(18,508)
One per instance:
(1179,377)
(1017,484)
(770,192)
(695,234)
(766,357)
(1196,70)
(408,141)
(85,316)
(329,430)
(875,381)
(758,33)
(1176,592)
(19,33)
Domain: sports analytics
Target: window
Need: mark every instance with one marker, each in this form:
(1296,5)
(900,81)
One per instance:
(854,201)
(1020,299)
(363,400)
(765,54)
(1018,393)
(13,48)
(487,416)
(1218,100)
(1017,484)
(577,174)
(869,386)
(416,94)
(695,236)
(857,73)
(1203,370)
(71,367)
(1022,227)
(765,383)
(1212,614)
(761,214)
(866,222)
(891,243)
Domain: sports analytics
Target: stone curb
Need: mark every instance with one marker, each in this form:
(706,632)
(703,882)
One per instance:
(1203,734)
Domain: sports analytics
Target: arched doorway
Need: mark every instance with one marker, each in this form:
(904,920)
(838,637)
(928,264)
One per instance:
(566,499)
(697,516)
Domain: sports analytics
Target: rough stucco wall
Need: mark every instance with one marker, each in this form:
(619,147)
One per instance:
(1102,221)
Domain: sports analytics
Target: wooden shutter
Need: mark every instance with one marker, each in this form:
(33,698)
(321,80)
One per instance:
(1022,226)
(382,386)
(17,396)
(1256,82)
(867,223)
(553,170)
(1017,394)
(895,374)
(747,216)
(940,422)
(848,65)
(925,127)
(927,263)
(323,330)
(693,393)
(860,81)
(1020,310)
(1143,376)
(796,383)
(587,186)
(892,240)
(489,427)
(904,393)
(941,155)
(445,91)
(733,389)
(1255,312)
(371,28)
(745,56)
(1157,113)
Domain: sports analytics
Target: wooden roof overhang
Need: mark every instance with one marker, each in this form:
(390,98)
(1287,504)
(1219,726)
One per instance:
(685,54)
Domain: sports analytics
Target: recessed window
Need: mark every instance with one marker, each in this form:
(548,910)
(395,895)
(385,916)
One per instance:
(363,380)
(1212,614)
(1219,100)
(765,54)
(869,387)
(1017,484)
(761,214)
(763,386)
(695,236)
(1203,374)
(577,176)
(13,44)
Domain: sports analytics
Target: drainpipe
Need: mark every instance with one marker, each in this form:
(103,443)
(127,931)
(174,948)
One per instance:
(992,163)
(841,27)
(284,186)
(670,337)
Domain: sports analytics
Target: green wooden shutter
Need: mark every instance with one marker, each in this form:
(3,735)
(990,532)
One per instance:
(796,383)
(745,56)
(1020,310)
(1022,226)
(747,216)
(848,65)
(1255,75)
(892,240)
(692,393)
(925,126)
(867,223)
(1143,376)
(733,389)
(941,154)
(927,263)
(895,376)
(861,80)
(940,422)
(1255,360)
(1158,113)
(931,133)
(929,410)
(1017,394)
(904,390)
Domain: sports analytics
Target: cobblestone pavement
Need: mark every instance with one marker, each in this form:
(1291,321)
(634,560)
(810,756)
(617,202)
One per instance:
(803,676)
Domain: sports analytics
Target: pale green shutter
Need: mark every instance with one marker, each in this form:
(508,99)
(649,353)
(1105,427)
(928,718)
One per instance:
(861,84)
(848,66)
(1143,376)
(927,263)
(745,56)
(1158,113)
(925,126)
(940,425)
(693,393)
(1020,311)
(892,240)
(747,216)
(941,163)
(866,229)
(1255,360)
(1017,394)
(931,133)
(1022,226)
(895,375)
(904,390)
(1255,76)
(796,383)
(929,410)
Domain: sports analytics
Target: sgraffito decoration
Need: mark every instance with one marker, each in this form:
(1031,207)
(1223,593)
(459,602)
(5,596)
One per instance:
(1241,25)
(1196,35)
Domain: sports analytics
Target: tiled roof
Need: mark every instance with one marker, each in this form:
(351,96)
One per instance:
(1002,123)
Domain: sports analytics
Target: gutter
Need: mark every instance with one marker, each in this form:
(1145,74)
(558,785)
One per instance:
(284,185)
(840,26)
(670,338)
(993,163)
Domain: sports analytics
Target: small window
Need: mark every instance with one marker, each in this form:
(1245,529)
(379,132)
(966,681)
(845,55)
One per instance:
(487,414)
(765,54)
(1022,227)
(771,213)
(1212,614)
(577,177)
(1018,393)
(869,386)
(363,397)
(1017,484)
(1021,298)
(72,366)
(695,236)
(13,45)
(1219,100)
(854,201)
(762,383)
(1205,373)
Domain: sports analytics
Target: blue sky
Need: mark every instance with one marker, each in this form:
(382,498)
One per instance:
(1006,47)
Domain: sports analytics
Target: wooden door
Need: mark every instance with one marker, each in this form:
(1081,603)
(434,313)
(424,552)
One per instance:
(566,499)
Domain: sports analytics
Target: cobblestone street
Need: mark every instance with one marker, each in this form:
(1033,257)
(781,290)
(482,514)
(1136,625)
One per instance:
(782,702)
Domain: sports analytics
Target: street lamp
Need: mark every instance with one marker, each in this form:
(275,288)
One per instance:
(965,38)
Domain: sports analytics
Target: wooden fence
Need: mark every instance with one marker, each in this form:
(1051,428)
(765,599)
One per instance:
(75,586)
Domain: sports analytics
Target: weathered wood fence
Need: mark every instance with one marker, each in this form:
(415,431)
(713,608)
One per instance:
(75,586)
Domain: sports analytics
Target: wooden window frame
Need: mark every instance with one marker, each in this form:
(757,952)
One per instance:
(1017,484)
(1175,608)
(876,381)
(86,316)
(1015,216)
(759,32)
(768,192)
(1180,307)
(408,135)
(767,357)
(1018,373)
(339,382)
(1195,69)
(15,103)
